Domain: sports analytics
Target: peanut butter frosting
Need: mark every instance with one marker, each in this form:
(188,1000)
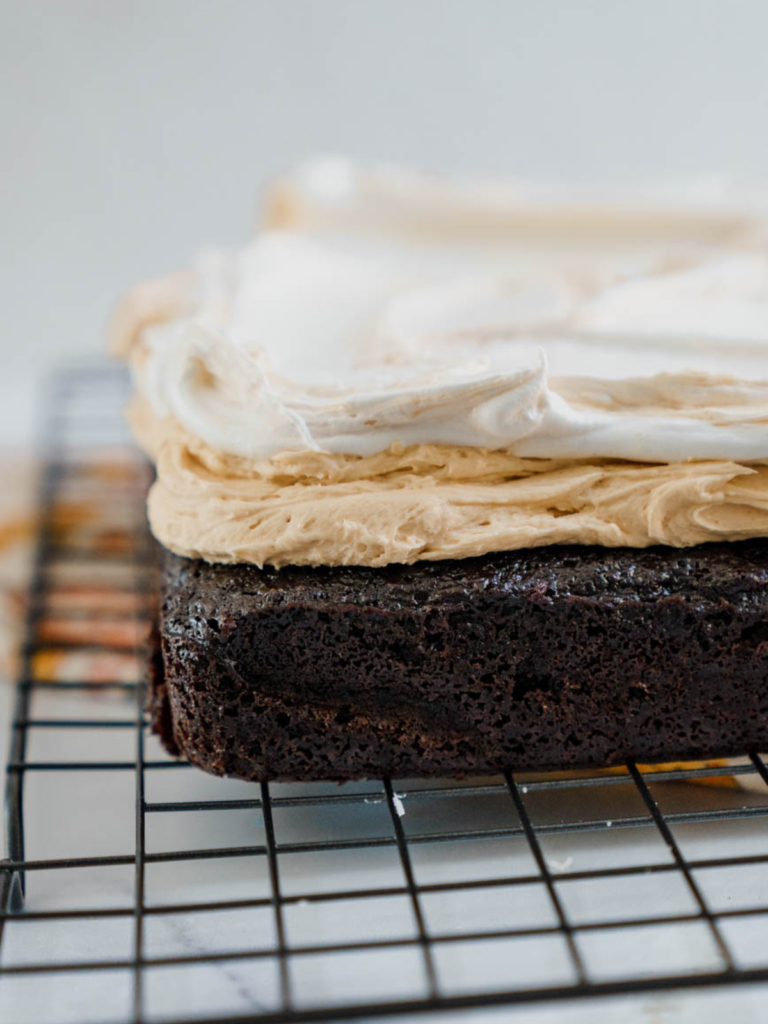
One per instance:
(399,369)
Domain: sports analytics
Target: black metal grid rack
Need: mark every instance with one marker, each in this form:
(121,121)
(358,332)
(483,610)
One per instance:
(662,889)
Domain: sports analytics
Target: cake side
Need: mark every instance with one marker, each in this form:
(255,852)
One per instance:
(565,657)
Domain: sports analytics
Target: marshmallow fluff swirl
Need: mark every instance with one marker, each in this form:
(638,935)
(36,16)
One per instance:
(399,369)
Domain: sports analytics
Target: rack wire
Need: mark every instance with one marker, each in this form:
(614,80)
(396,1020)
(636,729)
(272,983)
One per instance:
(390,897)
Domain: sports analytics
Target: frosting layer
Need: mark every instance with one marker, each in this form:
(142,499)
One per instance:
(404,370)
(339,194)
(433,502)
(297,345)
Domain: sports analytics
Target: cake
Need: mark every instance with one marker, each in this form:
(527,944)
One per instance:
(460,477)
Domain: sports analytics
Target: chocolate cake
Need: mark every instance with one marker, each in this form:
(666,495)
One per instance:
(559,657)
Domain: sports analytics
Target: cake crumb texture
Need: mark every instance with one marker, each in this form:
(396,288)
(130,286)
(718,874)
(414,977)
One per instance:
(560,657)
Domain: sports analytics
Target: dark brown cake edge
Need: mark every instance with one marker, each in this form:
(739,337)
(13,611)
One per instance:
(219,622)
(158,705)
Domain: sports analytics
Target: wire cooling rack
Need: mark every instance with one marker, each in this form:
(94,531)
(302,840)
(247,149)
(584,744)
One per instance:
(137,888)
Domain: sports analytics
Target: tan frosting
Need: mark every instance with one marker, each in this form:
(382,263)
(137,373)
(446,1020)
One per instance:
(431,502)
(147,304)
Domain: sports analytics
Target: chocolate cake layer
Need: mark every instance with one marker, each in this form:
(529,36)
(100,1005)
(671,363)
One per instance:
(560,657)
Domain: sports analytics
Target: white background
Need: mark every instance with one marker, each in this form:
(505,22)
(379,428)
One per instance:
(131,132)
